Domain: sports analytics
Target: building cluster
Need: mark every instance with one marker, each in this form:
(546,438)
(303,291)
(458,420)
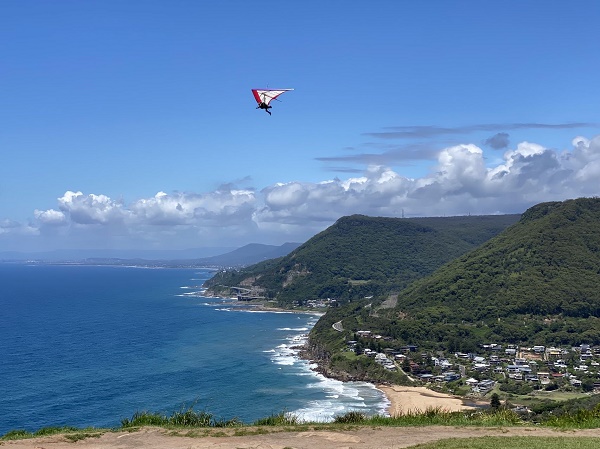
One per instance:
(320,303)
(537,366)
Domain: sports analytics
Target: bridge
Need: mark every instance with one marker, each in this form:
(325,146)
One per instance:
(246,294)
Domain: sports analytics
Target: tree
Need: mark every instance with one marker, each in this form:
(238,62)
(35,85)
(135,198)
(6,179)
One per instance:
(495,401)
(587,385)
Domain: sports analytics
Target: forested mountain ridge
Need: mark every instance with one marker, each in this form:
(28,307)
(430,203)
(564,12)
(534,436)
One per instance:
(362,256)
(549,263)
(537,282)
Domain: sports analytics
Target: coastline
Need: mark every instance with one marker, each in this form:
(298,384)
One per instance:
(405,400)
(400,399)
(259,306)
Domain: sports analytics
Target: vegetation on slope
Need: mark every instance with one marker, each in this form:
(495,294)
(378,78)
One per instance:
(364,256)
(535,283)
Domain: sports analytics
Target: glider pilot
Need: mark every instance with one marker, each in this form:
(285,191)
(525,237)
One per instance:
(265,106)
(264,97)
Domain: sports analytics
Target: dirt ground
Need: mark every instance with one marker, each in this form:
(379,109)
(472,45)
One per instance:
(360,438)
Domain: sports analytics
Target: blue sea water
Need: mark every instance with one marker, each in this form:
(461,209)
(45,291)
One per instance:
(90,345)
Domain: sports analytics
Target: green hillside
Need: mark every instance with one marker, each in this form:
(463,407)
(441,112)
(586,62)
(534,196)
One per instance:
(362,256)
(536,283)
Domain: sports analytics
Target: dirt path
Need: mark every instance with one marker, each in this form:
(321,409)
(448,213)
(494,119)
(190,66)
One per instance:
(363,438)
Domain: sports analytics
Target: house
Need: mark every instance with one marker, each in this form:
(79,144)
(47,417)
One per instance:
(471,382)
(409,348)
(525,369)
(486,385)
(544,377)
(553,353)
(513,369)
(449,377)
(492,346)
(480,366)
(442,363)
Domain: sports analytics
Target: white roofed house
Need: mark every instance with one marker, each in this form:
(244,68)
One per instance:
(544,377)
(442,363)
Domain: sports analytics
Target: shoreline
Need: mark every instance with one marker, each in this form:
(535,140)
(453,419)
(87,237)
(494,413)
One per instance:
(259,306)
(405,400)
(401,399)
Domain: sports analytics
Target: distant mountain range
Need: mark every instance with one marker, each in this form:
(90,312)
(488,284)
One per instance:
(250,254)
(212,256)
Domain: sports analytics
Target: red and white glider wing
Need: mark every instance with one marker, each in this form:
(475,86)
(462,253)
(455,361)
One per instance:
(266,95)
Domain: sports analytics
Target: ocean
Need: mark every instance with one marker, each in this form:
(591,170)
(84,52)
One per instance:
(90,345)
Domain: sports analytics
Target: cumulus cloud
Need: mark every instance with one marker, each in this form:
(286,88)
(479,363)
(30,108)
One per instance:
(11,228)
(50,217)
(89,209)
(461,182)
(403,146)
(218,208)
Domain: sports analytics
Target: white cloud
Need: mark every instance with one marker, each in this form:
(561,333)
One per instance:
(91,209)
(10,228)
(50,217)
(285,195)
(462,182)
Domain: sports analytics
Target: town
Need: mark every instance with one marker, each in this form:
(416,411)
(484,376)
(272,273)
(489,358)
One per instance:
(515,369)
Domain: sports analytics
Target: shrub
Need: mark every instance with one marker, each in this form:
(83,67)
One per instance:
(280,419)
(350,417)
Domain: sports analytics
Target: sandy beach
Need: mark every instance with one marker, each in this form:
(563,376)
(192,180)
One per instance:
(418,399)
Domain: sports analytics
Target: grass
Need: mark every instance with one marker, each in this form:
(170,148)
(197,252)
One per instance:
(580,419)
(194,421)
(436,417)
(71,433)
(183,418)
(280,419)
(512,442)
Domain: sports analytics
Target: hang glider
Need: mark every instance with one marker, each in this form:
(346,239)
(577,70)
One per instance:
(264,97)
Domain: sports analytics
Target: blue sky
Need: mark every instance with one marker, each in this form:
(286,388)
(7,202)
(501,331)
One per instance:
(132,125)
